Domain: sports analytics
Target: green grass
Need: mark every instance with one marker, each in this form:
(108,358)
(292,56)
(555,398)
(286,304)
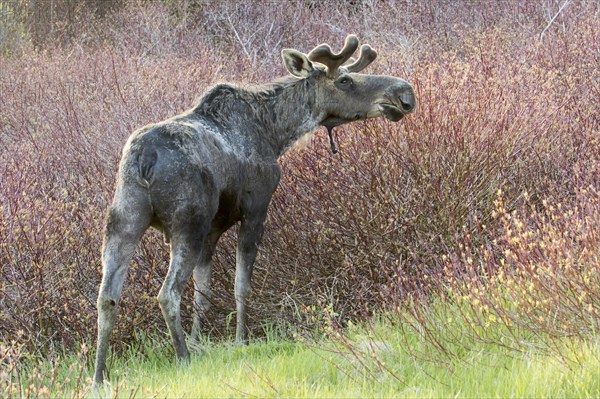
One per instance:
(380,359)
(384,358)
(359,366)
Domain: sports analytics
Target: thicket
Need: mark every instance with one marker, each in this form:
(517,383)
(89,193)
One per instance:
(488,195)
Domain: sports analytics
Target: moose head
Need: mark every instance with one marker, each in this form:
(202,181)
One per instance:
(344,94)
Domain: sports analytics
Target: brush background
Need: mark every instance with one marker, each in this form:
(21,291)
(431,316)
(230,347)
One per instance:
(495,176)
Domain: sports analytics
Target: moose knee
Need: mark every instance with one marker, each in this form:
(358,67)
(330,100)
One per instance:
(242,289)
(106,303)
(162,299)
(168,302)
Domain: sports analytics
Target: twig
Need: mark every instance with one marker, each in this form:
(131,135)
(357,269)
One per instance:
(553,18)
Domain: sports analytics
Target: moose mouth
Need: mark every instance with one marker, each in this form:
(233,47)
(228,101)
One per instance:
(391,112)
(387,110)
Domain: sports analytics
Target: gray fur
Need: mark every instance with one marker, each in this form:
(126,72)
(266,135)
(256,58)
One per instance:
(195,175)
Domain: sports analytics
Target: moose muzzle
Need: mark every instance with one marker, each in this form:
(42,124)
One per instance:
(400,100)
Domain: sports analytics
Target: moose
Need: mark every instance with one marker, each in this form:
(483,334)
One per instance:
(195,175)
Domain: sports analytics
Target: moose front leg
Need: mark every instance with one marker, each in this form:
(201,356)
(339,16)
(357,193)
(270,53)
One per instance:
(251,231)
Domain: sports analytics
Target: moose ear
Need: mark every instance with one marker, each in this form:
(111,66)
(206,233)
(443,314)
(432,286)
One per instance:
(297,63)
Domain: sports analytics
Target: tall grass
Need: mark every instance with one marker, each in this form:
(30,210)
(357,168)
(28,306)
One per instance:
(486,198)
(371,361)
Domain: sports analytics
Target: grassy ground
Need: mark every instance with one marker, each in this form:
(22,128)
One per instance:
(376,361)
(280,369)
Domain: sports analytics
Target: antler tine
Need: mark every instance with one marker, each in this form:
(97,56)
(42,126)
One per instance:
(367,56)
(325,56)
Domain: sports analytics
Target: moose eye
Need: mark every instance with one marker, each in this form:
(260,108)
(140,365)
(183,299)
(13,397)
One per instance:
(345,80)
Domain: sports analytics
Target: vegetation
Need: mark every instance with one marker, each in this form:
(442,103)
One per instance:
(366,361)
(465,235)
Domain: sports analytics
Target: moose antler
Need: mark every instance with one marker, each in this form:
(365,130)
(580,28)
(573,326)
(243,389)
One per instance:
(367,56)
(325,56)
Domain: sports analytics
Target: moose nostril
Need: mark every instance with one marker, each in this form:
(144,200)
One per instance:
(407,106)
(407,100)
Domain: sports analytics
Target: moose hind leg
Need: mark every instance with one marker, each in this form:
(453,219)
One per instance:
(251,232)
(202,294)
(202,291)
(186,252)
(123,231)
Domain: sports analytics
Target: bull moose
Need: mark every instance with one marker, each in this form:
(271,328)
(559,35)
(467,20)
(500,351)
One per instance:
(196,174)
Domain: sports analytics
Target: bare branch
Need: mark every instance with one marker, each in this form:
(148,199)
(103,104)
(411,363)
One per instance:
(562,7)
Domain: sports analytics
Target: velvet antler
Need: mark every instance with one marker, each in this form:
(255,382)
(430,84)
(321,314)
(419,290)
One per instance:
(323,54)
(367,56)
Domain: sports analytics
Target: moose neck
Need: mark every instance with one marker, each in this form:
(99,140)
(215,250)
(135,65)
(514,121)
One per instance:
(292,105)
(270,117)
